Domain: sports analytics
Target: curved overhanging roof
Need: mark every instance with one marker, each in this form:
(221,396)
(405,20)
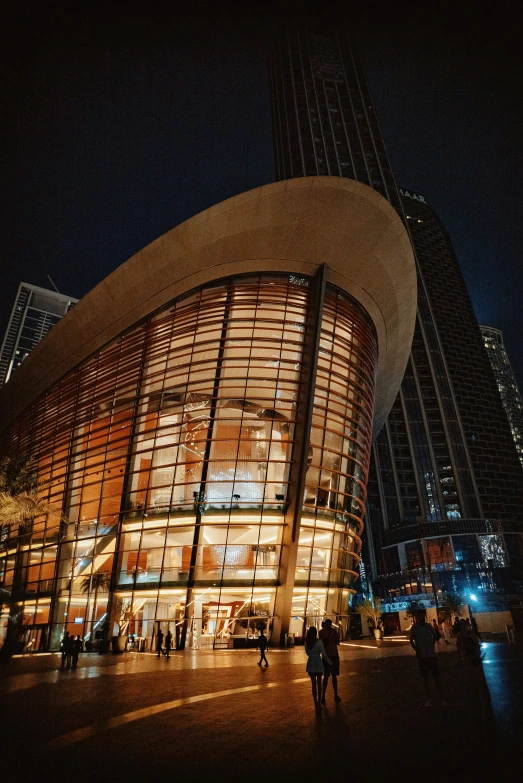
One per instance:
(289,226)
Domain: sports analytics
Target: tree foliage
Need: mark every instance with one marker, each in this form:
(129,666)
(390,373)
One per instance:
(98,581)
(371,608)
(21,493)
(451,603)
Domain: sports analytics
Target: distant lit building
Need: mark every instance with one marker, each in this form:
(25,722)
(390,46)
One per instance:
(507,385)
(35,311)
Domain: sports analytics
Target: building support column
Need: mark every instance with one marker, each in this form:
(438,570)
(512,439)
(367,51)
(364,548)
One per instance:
(200,499)
(300,453)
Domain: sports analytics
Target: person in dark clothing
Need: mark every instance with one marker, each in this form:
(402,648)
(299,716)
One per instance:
(159,643)
(68,649)
(330,638)
(63,648)
(77,648)
(475,628)
(435,628)
(262,646)
(168,644)
(423,641)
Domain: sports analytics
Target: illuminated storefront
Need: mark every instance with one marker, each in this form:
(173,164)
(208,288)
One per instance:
(210,462)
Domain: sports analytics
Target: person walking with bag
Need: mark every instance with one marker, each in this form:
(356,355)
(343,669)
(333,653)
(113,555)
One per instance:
(317,656)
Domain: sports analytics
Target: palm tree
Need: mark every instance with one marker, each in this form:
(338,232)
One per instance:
(21,498)
(21,502)
(99,581)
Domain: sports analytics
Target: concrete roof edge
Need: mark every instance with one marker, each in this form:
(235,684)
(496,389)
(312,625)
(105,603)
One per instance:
(292,225)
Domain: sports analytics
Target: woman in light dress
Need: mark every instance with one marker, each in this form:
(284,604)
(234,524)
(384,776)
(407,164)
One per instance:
(316,655)
(445,630)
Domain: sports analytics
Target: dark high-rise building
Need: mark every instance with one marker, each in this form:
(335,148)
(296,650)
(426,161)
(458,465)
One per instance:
(34,312)
(323,118)
(507,384)
(446,487)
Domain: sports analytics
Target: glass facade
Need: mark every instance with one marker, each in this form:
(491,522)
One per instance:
(170,454)
(507,384)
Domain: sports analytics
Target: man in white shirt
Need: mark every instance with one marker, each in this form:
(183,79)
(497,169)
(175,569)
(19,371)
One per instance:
(422,641)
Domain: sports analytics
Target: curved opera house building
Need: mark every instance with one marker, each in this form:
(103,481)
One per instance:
(204,419)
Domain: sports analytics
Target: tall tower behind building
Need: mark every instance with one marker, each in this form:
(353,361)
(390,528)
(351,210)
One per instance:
(34,312)
(507,384)
(444,465)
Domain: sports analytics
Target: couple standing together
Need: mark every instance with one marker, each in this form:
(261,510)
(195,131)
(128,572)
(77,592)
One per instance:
(323,661)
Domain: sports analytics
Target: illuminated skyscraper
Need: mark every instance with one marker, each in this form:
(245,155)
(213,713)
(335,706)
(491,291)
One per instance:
(35,311)
(446,477)
(507,384)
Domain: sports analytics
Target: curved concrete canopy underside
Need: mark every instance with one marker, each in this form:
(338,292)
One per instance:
(289,226)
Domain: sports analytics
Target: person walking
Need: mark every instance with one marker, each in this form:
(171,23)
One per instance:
(317,657)
(168,643)
(159,642)
(446,632)
(330,638)
(262,645)
(435,628)
(77,648)
(68,649)
(422,641)
(475,628)
(469,650)
(63,648)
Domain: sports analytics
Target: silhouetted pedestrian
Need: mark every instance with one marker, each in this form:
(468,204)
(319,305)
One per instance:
(77,648)
(68,649)
(159,643)
(455,626)
(262,645)
(63,648)
(422,641)
(315,665)
(435,628)
(469,650)
(475,628)
(330,638)
(168,644)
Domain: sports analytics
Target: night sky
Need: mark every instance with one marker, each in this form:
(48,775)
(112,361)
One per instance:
(123,122)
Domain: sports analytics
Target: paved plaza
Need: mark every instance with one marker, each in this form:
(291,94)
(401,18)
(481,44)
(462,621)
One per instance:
(218,716)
